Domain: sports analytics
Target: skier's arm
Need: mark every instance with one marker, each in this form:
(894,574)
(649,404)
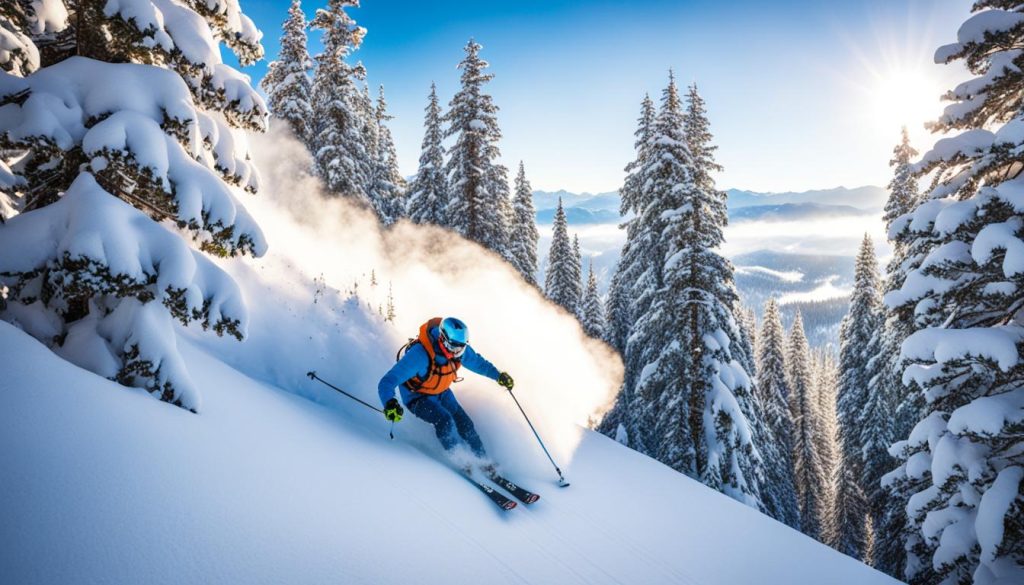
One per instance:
(479,364)
(413,363)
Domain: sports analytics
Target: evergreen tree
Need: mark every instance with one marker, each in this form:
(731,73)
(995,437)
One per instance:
(633,285)
(685,341)
(477,183)
(428,193)
(369,130)
(89,269)
(848,518)
(748,320)
(874,426)
(576,267)
(899,324)
(697,130)
(826,378)
(632,264)
(508,215)
(855,351)
(773,392)
(746,323)
(389,187)
(340,152)
(908,399)
(777,501)
(809,474)
(524,235)
(616,310)
(561,280)
(593,307)
(966,296)
(287,81)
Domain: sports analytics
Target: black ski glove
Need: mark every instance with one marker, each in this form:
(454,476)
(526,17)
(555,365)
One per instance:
(506,381)
(393,410)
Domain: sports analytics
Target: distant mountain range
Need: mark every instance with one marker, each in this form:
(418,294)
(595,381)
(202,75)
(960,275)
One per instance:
(795,211)
(543,200)
(579,216)
(602,208)
(867,197)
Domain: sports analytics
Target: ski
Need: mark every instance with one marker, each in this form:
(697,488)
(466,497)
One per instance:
(523,495)
(497,497)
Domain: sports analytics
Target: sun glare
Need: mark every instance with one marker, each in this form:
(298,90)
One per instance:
(905,97)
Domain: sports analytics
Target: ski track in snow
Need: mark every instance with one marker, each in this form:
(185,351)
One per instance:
(104,484)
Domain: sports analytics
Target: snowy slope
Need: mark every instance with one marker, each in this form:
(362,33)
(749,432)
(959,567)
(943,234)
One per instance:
(106,485)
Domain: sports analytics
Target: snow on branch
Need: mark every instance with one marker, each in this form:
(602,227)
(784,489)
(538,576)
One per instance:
(998,344)
(187,35)
(90,248)
(129,120)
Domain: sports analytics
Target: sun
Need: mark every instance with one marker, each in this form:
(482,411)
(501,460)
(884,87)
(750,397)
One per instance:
(905,97)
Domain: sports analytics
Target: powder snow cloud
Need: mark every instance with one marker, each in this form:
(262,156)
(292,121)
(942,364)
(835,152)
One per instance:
(327,248)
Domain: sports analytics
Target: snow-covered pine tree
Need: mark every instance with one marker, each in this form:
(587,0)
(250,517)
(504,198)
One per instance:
(686,344)
(697,130)
(287,83)
(773,394)
(631,264)
(886,365)
(773,493)
(855,352)
(428,193)
(967,294)
(340,151)
(387,191)
(476,181)
(848,517)
(746,323)
(20,55)
(747,318)
(501,189)
(616,311)
(576,267)
(809,475)
(139,133)
(366,112)
(874,421)
(593,306)
(899,324)
(523,235)
(826,379)
(561,279)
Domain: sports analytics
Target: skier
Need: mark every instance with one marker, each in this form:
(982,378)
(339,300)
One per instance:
(426,372)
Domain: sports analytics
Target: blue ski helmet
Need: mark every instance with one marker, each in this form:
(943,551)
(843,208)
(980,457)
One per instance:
(454,335)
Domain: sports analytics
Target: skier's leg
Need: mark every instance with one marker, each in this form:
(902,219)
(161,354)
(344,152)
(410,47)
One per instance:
(429,408)
(463,423)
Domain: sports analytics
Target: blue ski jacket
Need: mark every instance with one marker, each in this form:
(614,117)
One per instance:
(416,362)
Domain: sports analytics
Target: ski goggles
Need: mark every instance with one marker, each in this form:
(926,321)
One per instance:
(453,347)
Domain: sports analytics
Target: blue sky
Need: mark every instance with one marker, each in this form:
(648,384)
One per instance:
(801,94)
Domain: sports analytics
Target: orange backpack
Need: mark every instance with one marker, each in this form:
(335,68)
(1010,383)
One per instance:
(439,376)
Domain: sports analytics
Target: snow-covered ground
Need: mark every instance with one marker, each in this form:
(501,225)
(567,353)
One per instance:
(106,485)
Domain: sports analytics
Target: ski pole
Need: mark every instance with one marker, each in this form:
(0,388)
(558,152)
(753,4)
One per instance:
(561,478)
(312,376)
